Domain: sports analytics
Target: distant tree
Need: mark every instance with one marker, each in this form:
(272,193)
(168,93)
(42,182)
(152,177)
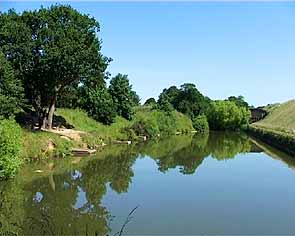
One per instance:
(150,102)
(98,102)
(164,103)
(135,98)
(11,90)
(56,48)
(187,100)
(190,101)
(239,101)
(123,96)
(226,115)
(171,94)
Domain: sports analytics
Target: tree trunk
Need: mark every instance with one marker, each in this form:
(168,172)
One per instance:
(51,112)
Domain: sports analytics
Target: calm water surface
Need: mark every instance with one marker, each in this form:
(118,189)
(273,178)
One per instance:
(222,183)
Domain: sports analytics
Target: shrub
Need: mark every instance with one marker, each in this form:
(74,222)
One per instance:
(200,124)
(158,122)
(226,115)
(145,125)
(10,147)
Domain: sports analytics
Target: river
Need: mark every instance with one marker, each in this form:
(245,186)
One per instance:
(216,184)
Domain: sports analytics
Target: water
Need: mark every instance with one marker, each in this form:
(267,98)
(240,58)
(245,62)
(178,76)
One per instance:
(224,183)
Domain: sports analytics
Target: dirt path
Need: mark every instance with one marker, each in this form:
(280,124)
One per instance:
(69,133)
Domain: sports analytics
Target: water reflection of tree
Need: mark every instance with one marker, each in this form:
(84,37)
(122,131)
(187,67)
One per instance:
(186,152)
(226,145)
(11,207)
(69,201)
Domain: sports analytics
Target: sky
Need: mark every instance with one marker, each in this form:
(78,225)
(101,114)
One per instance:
(225,48)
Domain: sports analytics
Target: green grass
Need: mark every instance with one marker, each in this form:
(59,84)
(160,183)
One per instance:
(278,127)
(281,118)
(35,144)
(97,132)
(157,122)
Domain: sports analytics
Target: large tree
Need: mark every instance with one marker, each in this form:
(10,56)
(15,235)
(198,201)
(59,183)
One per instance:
(61,50)
(123,96)
(97,101)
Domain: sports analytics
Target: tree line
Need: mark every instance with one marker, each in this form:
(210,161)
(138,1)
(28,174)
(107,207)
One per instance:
(52,57)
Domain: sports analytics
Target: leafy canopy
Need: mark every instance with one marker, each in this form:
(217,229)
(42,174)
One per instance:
(11,91)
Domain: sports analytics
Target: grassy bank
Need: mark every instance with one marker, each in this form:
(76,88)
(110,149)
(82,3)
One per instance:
(281,118)
(146,122)
(35,145)
(279,139)
(278,127)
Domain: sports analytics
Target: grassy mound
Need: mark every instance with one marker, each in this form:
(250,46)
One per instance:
(281,118)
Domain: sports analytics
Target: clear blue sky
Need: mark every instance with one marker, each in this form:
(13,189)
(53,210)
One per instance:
(224,48)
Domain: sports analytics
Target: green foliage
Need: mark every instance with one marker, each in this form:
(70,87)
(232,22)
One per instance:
(11,91)
(153,123)
(36,143)
(150,102)
(280,139)
(146,125)
(239,101)
(10,147)
(99,104)
(200,124)
(187,100)
(164,103)
(146,121)
(55,48)
(96,130)
(226,145)
(124,97)
(226,115)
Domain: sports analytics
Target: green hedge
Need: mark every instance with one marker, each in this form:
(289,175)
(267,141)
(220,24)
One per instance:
(10,147)
(281,140)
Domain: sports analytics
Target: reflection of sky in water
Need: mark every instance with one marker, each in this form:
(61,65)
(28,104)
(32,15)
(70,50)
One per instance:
(248,194)
(181,186)
(81,199)
(76,175)
(38,197)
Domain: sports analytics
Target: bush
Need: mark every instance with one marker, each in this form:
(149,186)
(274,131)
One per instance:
(145,125)
(226,115)
(10,148)
(157,122)
(200,124)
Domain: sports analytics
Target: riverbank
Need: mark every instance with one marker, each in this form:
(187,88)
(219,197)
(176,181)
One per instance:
(283,140)
(278,127)
(90,134)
